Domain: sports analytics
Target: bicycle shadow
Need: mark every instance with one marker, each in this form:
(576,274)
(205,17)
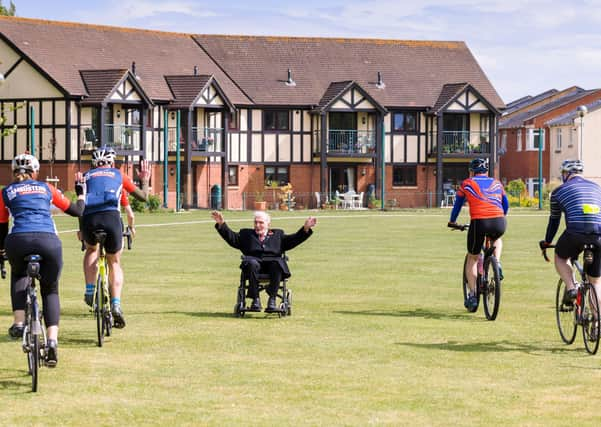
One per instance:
(502,346)
(418,312)
(9,381)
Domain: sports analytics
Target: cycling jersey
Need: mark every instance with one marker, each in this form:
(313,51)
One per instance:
(105,189)
(28,202)
(580,200)
(485,195)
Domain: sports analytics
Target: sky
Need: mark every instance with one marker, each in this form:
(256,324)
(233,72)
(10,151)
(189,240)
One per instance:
(525,47)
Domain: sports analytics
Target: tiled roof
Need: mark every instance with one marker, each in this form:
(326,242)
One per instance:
(186,89)
(518,119)
(448,92)
(568,118)
(414,72)
(528,100)
(99,83)
(251,70)
(62,49)
(334,90)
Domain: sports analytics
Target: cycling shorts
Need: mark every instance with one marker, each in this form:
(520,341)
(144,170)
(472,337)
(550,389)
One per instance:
(570,245)
(480,228)
(110,222)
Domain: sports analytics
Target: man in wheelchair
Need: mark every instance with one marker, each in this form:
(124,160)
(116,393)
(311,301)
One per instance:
(263,248)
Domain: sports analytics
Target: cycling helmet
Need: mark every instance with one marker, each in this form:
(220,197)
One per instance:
(25,163)
(572,166)
(103,156)
(479,165)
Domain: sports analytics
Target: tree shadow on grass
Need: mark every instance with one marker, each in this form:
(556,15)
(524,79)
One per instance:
(500,346)
(14,381)
(418,312)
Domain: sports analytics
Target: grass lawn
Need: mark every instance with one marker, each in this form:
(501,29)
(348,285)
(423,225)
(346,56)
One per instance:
(378,334)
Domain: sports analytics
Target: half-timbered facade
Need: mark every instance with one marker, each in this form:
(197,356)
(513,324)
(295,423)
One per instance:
(247,113)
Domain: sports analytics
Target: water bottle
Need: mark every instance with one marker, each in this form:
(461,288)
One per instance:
(481,265)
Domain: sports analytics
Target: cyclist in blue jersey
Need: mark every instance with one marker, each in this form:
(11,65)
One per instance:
(33,231)
(105,185)
(580,201)
(488,205)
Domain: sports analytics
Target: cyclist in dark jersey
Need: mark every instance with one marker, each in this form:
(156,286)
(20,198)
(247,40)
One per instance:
(105,185)
(580,201)
(488,206)
(33,231)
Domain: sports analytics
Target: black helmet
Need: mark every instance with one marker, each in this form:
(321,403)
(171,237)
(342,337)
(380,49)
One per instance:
(479,165)
(103,156)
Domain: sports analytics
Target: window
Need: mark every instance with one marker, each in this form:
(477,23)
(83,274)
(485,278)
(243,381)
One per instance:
(558,139)
(277,174)
(519,140)
(232,175)
(572,131)
(276,120)
(405,122)
(404,176)
(503,143)
(532,186)
(534,139)
(234,122)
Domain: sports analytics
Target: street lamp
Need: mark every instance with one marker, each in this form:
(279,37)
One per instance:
(581,110)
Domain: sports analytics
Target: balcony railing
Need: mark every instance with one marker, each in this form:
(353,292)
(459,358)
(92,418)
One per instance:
(347,141)
(203,139)
(123,137)
(463,142)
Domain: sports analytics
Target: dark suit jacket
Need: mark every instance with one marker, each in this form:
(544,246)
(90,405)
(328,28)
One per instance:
(274,245)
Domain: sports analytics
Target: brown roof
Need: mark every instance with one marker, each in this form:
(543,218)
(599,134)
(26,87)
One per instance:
(447,94)
(250,69)
(414,72)
(186,89)
(62,49)
(100,83)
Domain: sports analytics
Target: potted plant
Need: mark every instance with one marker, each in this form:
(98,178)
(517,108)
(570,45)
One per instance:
(260,203)
(374,203)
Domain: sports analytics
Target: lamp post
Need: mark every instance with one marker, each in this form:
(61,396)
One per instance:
(582,110)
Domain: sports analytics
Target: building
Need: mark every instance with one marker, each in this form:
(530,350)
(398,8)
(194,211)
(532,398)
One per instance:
(520,129)
(245,112)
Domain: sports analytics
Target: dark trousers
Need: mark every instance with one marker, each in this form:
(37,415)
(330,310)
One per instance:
(48,245)
(253,267)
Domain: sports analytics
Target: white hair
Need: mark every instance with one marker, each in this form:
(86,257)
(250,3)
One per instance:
(263,215)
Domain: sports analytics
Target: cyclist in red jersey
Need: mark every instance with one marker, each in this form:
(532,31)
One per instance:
(488,207)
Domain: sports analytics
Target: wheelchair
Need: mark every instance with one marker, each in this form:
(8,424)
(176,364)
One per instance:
(283,295)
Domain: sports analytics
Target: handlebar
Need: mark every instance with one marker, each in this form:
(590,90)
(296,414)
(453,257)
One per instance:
(543,247)
(460,227)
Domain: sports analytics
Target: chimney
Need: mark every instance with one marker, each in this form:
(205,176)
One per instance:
(196,70)
(380,83)
(289,81)
(133,68)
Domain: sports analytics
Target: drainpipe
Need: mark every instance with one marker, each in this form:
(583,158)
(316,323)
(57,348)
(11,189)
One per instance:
(177,166)
(540,168)
(383,177)
(32,133)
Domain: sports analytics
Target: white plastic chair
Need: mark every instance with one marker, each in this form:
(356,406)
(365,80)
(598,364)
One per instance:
(358,201)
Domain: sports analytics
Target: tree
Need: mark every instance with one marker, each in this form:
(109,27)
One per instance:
(8,11)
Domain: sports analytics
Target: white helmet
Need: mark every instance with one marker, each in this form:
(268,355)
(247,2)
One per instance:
(572,166)
(25,163)
(103,156)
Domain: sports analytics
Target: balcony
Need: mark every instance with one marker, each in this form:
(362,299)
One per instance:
(123,137)
(462,142)
(347,142)
(204,140)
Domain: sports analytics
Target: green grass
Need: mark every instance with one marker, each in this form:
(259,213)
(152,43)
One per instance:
(378,335)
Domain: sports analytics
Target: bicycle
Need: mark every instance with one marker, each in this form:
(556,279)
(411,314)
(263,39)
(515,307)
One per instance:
(34,342)
(488,282)
(583,311)
(101,305)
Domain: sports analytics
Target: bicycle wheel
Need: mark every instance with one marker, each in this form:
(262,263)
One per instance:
(565,315)
(590,319)
(492,288)
(35,360)
(98,313)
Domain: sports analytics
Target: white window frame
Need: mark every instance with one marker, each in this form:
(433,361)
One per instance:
(558,139)
(532,185)
(530,140)
(519,140)
(504,141)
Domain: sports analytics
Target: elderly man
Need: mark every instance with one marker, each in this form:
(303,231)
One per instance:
(262,248)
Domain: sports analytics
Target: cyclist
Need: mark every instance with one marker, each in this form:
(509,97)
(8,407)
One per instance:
(488,207)
(105,184)
(28,201)
(580,201)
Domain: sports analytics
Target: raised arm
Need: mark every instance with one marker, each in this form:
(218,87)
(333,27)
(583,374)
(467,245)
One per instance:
(144,176)
(231,237)
(60,201)
(290,241)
